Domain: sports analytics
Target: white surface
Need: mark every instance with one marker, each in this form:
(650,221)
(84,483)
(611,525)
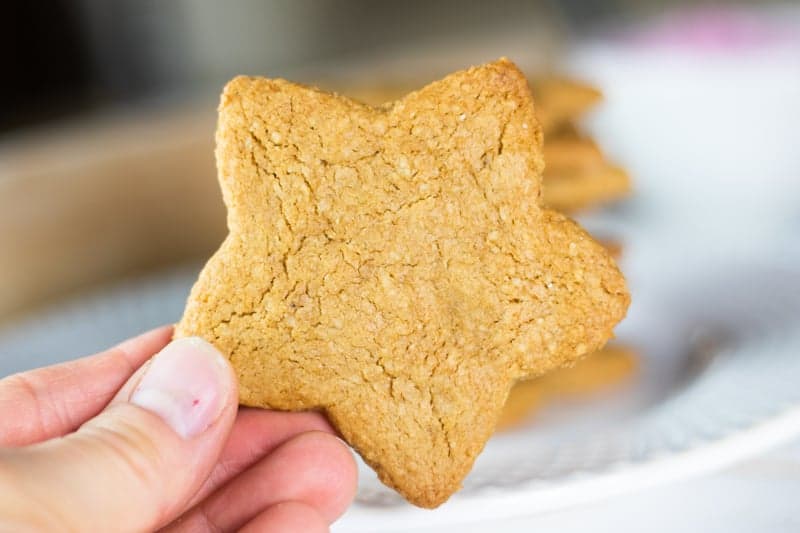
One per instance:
(759,495)
(521,510)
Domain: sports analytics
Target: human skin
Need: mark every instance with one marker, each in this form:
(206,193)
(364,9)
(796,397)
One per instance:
(148,435)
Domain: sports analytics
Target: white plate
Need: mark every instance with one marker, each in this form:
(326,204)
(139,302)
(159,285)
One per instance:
(684,416)
(678,418)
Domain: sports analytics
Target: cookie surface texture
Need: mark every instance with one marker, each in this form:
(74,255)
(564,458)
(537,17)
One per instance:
(393,267)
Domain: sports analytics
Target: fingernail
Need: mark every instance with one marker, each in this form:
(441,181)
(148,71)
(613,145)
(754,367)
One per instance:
(187,385)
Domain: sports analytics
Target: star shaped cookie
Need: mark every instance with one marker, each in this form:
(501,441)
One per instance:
(392,266)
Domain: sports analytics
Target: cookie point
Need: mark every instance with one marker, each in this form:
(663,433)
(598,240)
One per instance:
(235,83)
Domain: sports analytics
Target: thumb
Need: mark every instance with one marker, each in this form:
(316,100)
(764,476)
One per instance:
(138,463)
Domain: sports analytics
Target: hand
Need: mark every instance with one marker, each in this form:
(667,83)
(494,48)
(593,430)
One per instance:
(114,442)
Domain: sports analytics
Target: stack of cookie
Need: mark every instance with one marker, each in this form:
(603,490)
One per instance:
(577,177)
(590,376)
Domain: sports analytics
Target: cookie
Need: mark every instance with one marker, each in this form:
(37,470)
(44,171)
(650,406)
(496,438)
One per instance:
(595,373)
(566,130)
(575,188)
(562,100)
(375,94)
(577,175)
(559,100)
(393,267)
(613,246)
(567,153)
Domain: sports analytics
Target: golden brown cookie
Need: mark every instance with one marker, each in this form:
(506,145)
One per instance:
(393,267)
(562,100)
(559,101)
(573,189)
(376,94)
(563,153)
(596,372)
(577,174)
(525,398)
(566,130)
(613,246)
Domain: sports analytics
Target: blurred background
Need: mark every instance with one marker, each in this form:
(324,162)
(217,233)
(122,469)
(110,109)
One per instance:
(670,132)
(91,86)
(70,57)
